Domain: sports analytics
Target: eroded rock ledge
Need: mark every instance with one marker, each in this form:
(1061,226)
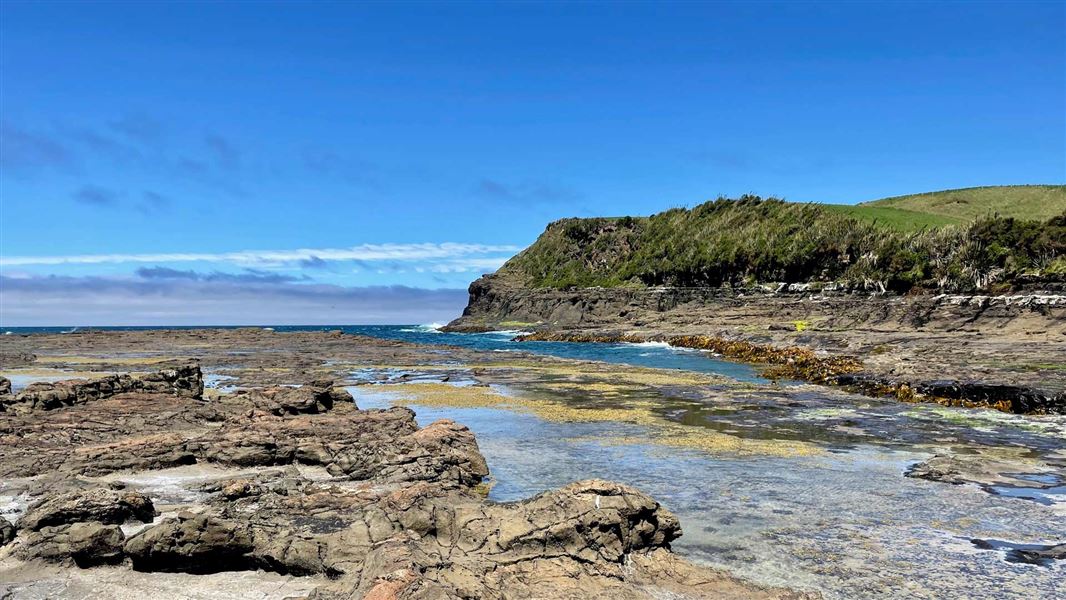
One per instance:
(367,501)
(186,381)
(1001,351)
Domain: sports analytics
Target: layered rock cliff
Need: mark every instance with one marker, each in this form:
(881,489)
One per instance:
(965,309)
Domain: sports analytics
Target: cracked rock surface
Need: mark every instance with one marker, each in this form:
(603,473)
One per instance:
(152,483)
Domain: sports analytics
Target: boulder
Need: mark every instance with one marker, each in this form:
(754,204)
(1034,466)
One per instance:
(192,544)
(982,468)
(102,505)
(186,381)
(444,452)
(7,531)
(310,398)
(86,544)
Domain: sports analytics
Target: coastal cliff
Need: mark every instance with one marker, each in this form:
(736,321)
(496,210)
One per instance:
(933,309)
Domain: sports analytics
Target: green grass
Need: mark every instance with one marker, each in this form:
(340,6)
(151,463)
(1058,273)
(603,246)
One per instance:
(742,242)
(895,218)
(1040,202)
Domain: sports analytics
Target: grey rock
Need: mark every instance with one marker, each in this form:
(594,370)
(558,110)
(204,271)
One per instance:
(193,544)
(85,544)
(99,504)
(185,381)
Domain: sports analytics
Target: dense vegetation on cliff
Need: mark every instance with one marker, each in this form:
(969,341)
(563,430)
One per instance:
(753,240)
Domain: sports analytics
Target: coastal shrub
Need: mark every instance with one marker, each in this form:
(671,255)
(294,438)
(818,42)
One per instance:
(750,240)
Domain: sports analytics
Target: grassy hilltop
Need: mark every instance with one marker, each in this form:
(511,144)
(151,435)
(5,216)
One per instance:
(929,241)
(957,207)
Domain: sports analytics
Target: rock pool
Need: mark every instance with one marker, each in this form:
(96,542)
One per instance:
(794,486)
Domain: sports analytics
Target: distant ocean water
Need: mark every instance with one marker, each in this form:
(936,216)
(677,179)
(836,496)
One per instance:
(656,355)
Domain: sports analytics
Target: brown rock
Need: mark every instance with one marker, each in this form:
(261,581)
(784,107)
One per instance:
(86,544)
(99,504)
(193,544)
(185,381)
(7,531)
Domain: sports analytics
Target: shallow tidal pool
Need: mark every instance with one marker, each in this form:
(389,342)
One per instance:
(799,487)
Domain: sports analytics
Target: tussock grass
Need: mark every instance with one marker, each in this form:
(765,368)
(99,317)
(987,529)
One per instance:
(750,240)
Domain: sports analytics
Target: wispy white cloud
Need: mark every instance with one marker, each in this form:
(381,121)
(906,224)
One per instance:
(363,252)
(466,265)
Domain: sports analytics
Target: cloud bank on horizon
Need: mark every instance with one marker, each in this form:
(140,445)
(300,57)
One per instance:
(194,299)
(249,287)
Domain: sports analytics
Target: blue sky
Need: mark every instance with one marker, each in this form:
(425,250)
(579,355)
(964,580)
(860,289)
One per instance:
(345,163)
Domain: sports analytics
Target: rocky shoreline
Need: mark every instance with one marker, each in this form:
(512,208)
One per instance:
(1003,352)
(302,483)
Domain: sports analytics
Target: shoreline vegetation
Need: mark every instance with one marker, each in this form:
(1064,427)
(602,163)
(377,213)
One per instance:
(911,297)
(737,243)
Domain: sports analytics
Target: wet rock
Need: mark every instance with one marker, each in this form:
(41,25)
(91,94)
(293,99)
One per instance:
(1017,399)
(7,531)
(1033,554)
(943,468)
(99,504)
(193,544)
(984,469)
(85,544)
(1057,552)
(5,386)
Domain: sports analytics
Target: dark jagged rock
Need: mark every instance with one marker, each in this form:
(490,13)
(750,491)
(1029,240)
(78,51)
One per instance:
(185,381)
(5,386)
(7,532)
(98,504)
(313,397)
(1056,552)
(986,470)
(1022,400)
(1008,398)
(1033,554)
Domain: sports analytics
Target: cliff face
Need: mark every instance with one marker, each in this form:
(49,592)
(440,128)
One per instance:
(494,304)
(982,305)
(498,304)
(1011,344)
(747,242)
